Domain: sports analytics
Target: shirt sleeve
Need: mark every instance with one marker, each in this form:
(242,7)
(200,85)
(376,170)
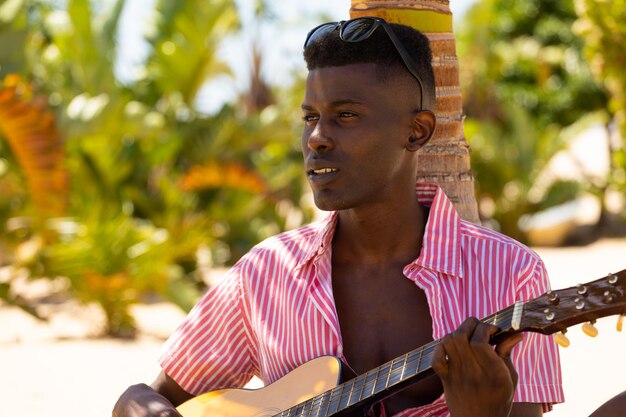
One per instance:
(536,358)
(212,348)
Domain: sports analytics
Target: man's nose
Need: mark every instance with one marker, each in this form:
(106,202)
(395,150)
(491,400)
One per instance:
(319,139)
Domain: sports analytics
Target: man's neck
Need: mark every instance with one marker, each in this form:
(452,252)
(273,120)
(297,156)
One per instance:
(390,234)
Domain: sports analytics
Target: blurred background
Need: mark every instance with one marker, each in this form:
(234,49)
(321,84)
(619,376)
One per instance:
(145,145)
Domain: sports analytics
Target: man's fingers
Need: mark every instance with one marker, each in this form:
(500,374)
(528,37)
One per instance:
(467,327)
(482,333)
(505,347)
(457,344)
(439,361)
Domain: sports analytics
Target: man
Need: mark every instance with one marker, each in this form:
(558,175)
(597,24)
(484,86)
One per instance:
(386,272)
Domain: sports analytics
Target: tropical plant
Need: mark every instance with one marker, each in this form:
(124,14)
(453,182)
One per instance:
(35,143)
(601,27)
(13,33)
(525,81)
(152,179)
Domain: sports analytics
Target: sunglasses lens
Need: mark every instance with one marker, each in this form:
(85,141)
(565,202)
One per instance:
(319,32)
(358,29)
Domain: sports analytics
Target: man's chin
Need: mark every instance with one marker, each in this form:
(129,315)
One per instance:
(326,204)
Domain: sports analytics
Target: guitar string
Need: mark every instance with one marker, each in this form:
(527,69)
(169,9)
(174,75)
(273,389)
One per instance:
(423,356)
(344,392)
(396,374)
(501,317)
(420,357)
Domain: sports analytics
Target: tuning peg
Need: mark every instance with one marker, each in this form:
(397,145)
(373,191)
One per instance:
(580,303)
(561,339)
(620,322)
(589,329)
(552,297)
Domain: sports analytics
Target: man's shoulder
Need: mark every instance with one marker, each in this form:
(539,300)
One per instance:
(292,245)
(476,233)
(496,251)
(306,234)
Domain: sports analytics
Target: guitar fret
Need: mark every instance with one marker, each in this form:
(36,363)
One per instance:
(333,401)
(370,382)
(309,407)
(291,412)
(412,364)
(298,410)
(502,318)
(344,400)
(323,405)
(419,361)
(380,383)
(404,359)
(306,408)
(357,392)
(396,372)
(428,356)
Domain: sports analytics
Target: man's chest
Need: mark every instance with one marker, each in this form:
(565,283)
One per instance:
(382,318)
(382,315)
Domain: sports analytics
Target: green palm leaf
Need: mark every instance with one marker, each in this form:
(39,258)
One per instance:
(185,39)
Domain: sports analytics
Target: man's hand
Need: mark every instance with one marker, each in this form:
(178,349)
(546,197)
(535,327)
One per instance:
(477,380)
(142,401)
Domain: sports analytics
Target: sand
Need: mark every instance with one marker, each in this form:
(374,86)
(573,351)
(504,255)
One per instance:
(59,368)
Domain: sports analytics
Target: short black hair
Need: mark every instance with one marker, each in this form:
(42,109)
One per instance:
(330,51)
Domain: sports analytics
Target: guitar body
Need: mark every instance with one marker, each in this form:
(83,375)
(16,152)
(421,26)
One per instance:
(301,384)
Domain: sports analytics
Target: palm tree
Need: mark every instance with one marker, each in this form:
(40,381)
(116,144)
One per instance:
(446,160)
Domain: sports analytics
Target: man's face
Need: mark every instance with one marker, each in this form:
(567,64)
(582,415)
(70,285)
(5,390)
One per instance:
(355,131)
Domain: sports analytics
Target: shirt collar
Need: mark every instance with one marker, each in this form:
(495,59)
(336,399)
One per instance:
(323,238)
(441,245)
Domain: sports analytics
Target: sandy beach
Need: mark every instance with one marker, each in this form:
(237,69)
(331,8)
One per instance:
(59,369)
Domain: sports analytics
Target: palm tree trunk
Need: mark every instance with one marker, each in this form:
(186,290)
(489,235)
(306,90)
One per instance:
(446,160)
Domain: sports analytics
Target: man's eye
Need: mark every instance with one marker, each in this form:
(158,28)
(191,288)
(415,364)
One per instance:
(309,118)
(346,114)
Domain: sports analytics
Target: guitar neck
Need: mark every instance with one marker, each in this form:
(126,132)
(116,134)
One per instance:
(547,314)
(386,379)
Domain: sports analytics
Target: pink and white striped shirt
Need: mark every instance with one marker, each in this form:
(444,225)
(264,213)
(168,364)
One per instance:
(274,310)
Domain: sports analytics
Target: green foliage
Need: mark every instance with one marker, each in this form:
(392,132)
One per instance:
(12,36)
(133,226)
(525,80)
(601,26)
(184,45)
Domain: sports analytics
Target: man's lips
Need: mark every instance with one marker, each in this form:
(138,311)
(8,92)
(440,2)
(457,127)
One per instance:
(320,171)
(320,175)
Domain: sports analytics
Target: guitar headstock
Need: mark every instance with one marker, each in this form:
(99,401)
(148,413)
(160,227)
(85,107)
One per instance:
(557,310)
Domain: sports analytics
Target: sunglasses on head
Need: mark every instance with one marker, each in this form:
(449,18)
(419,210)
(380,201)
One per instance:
(361,28)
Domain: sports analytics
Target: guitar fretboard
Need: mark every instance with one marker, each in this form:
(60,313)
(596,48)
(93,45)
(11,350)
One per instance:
(376,384)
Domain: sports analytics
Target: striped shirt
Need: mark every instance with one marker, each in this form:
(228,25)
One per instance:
(274,310)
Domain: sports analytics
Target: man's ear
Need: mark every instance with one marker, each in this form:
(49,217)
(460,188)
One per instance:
(424,123)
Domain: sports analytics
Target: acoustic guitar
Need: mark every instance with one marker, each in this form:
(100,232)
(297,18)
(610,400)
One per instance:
(312,389)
